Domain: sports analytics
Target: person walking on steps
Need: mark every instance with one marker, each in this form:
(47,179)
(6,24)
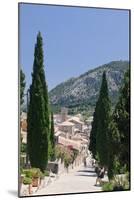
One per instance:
(85,162)
(100,175)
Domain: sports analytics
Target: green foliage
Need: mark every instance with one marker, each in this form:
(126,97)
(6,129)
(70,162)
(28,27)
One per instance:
(74,154)
(38,112)
(87,87)
(22,86)
(32,173)
(113,141)
(28,173)
(92,139)
(66,155)
(52,140)
(119,183)
(23,148)
(46,173)
(122,119)
(104,136)
(119,133)
(118,168)
(86,109)
(110,134)
(36,173)
(68,158)
(27,181)
(51,152)
(103,120)
(59,152)
(107,187)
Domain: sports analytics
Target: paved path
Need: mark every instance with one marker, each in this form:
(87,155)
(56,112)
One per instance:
(80,180)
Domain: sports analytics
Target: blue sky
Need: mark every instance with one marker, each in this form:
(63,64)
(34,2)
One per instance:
(75,39)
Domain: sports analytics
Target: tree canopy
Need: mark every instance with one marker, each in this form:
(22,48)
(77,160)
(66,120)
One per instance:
(38,112)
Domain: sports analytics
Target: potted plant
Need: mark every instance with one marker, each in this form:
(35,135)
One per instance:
(36,174)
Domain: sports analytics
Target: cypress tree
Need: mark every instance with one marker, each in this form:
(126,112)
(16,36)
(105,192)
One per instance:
(92,138)
(52,140)
(113,148)
(119,131)
(38,112)
(22,86)
(103,121)
(122,119)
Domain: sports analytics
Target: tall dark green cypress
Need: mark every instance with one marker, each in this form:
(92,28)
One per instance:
(113,148)
(103,121)
(22,86)
(38,112)
(52,140)
(119,131)
(92,138)
(122,119)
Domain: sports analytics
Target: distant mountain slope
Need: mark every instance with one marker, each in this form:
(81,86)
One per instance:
(84,89)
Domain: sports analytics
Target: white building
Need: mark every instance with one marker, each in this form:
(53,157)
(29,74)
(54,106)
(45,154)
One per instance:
(67,127)
(78,124)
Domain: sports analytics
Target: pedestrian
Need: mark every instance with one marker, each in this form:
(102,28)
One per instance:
(93,162)
(85,162)
(100,175)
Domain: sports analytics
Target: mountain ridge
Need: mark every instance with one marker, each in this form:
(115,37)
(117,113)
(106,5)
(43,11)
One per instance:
(84,89)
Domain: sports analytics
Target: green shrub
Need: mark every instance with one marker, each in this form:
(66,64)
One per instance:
(59,152)
(118,188)
(23,148)
(36,173)
(27,181)
(46,173)
(27,173)
(119,183)
(123,169)
(74,154)
(107,186)
(117,166)
(32,173)
(67,159)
